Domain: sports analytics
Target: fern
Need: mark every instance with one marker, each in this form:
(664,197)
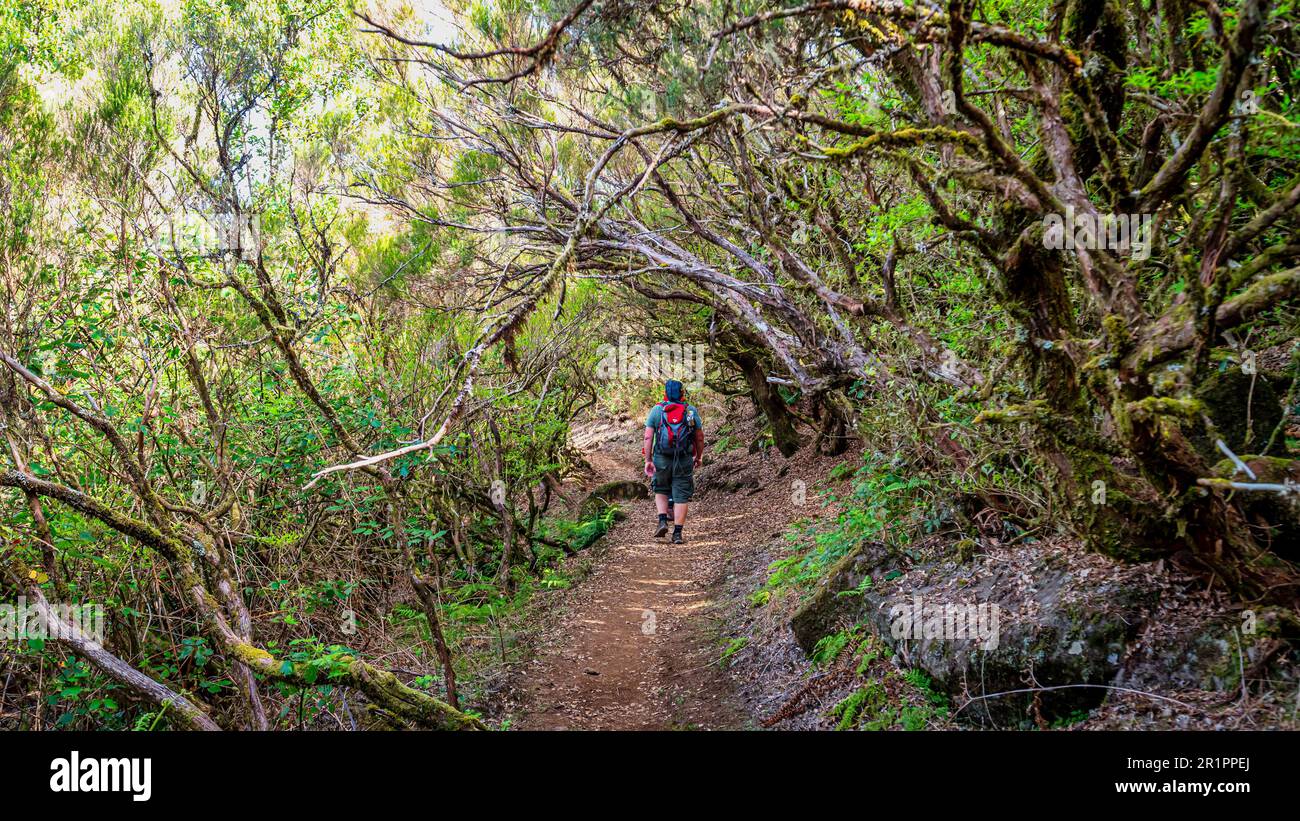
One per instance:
(828,648)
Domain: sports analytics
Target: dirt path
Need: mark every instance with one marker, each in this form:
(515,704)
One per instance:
(633,645)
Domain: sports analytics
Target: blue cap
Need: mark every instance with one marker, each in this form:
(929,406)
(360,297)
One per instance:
(673,390)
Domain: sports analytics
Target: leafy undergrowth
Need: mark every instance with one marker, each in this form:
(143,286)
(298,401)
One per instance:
(879,501)
(851,681)
(884,698)
(854,683)
(901,498)
(583,533)
(489,627)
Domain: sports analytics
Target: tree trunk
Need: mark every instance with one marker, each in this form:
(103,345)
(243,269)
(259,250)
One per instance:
(769,400)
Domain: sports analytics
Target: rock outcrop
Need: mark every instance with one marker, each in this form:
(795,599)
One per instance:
(1024,637)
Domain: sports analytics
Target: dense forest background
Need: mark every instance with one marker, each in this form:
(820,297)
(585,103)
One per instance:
(304,299)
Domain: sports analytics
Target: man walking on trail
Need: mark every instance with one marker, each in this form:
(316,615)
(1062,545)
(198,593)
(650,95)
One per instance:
(673,448)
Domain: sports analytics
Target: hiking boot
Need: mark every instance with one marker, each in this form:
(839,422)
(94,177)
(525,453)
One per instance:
(677,537)
(662,530)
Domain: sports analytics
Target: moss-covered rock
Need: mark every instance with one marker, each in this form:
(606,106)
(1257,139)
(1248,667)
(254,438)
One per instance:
(1061,623)
(1276,516)
(1229,399)
(831,606)
(610,493)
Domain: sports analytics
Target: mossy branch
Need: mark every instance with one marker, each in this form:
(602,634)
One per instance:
(380,685)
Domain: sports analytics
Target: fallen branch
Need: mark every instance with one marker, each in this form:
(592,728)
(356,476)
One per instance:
(1070,687)
(381,686)
(107,663)
(1259,487)
(1242,467)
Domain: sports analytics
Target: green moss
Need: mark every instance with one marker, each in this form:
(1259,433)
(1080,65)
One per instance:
(1035,411)
(1272,469)
(254,657)
(1232,399)
(1117,331)
(965,550)
(1266,292)
(1146,410)
(903,138)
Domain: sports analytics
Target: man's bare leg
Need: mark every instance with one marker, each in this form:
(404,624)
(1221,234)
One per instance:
(679,513)
(661,503)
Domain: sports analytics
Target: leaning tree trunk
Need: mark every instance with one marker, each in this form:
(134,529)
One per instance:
(769,400)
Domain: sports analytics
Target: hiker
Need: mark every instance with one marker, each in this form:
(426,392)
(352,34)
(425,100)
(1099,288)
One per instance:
(673,448)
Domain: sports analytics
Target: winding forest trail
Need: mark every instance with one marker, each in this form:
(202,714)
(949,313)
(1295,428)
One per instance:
(635,645)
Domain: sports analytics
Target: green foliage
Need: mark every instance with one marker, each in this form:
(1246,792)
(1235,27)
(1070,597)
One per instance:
(77,696)
(888,700)
(1066,721)
(725,443)
(730,648)
(828,648)
(879,503)
(584,533)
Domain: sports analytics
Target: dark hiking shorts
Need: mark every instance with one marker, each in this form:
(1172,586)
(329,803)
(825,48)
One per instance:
(674,476)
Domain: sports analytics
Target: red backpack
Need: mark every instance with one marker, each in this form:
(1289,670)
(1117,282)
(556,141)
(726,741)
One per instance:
(675,434)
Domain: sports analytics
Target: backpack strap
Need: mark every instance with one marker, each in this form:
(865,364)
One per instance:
(663,418)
